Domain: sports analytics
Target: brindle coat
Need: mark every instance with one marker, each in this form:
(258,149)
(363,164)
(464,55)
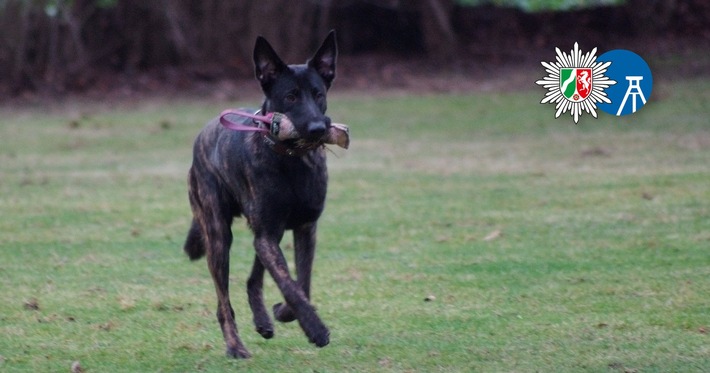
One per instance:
(240,174)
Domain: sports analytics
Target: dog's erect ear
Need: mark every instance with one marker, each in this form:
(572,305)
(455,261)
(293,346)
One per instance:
(324,59)
(267,64)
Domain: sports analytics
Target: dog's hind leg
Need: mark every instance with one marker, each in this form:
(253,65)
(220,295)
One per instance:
(255,284)
(304,246)
(267,248)
(194,244)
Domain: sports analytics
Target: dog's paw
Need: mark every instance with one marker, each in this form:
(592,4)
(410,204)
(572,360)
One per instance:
(320,337)
(283,312)
(266,331)
(240,352)
(263,325)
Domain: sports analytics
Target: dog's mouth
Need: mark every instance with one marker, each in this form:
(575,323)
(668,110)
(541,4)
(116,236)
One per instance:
(303,144)
(334,133)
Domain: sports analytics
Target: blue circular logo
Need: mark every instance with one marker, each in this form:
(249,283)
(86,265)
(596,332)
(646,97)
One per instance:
(634,82)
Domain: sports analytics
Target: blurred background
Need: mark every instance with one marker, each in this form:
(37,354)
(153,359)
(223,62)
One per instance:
(464,231)
(123,47)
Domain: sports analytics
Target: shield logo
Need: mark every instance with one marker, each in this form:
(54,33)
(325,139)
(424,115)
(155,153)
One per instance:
(576,83)
(584,83)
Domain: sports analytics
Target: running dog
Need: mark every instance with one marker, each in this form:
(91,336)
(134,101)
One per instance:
(275,185)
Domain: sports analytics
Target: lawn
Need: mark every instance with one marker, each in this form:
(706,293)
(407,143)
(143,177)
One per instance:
(462,233)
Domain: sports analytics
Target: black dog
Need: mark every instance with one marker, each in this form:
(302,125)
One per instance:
(276,186)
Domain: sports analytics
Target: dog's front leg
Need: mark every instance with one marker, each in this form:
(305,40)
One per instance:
(255,285)
(304,247)
(215,230)
(218,240)
(272,258)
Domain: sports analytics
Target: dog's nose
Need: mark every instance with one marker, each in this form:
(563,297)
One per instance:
(316,128)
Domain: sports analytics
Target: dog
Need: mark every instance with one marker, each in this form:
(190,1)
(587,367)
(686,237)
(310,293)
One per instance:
(276,185)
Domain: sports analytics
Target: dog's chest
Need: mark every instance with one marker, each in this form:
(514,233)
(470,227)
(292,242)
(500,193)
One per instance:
(305,191)
(291,191)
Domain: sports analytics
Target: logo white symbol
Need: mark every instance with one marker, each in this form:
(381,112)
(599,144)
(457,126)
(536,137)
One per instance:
(560,92)
(634,91)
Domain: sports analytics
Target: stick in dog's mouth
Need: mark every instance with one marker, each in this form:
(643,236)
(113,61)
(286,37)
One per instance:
(282,129)
(337,134)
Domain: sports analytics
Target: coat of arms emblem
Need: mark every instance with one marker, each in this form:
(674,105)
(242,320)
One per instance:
(576,83)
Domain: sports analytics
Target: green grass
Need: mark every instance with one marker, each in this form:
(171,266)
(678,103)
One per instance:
(547,246)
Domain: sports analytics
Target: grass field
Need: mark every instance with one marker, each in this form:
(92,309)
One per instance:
(462,233)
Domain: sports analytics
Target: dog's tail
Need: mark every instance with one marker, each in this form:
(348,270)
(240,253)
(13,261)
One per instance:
(194,244)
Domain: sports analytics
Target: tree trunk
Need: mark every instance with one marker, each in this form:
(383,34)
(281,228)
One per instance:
(15,23)
(440,39)
(651,16)
(288,25)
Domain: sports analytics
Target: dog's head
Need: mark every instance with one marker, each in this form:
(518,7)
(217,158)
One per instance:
(298,91)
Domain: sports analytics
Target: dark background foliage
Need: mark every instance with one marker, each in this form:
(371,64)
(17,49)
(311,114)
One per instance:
(55,46)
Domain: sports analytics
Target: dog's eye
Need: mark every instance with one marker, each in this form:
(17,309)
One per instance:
(292,96)
(318,95)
